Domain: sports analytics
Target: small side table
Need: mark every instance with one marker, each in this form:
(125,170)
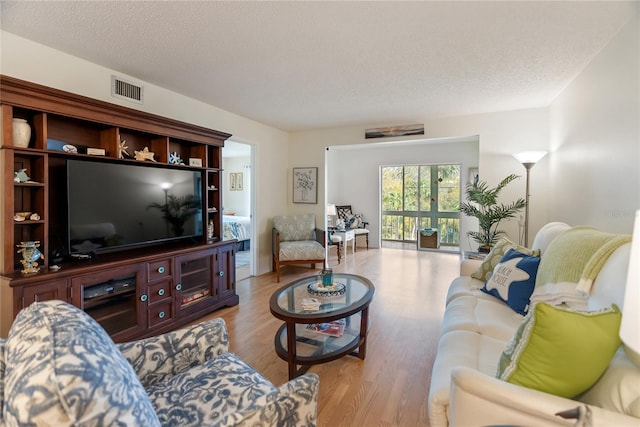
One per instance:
(347,236)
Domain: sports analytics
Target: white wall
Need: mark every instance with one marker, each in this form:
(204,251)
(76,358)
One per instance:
(595,140)
(26,60)
(353,176)
(500,135)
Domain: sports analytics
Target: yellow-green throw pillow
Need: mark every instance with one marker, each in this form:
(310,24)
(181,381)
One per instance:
(560,351)
(497,252)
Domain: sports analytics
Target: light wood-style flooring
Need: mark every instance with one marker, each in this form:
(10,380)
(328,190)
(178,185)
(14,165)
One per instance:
(390,387)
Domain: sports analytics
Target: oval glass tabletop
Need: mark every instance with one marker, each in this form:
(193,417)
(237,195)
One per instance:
(304,297)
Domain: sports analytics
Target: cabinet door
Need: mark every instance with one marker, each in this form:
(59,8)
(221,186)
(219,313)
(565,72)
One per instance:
(116,298)
(57,289)
(195,285)
(225,274)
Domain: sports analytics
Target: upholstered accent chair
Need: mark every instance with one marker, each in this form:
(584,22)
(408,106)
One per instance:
(59,367)
(354,222)
(296,240)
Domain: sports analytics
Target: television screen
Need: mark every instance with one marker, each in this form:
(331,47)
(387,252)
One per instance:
(114,205)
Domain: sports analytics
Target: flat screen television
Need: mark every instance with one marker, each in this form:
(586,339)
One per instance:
(112,206)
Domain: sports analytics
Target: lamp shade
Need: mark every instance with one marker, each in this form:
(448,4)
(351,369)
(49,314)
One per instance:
(530,157)
(331,210)
(630,326)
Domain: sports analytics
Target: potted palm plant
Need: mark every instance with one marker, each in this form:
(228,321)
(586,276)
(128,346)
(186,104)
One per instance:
(482,203)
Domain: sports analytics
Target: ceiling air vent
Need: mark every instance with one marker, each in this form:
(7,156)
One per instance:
(125,90)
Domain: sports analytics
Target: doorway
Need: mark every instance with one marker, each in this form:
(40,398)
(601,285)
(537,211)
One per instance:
(237,200)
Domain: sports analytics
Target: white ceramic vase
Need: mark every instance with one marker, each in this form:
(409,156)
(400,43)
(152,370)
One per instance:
(21,133)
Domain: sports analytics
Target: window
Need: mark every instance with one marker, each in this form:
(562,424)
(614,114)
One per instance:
(421,196)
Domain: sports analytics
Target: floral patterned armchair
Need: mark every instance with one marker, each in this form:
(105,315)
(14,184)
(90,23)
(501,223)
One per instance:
(59,367)
(296,240)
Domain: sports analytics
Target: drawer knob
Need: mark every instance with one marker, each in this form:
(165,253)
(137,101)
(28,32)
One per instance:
(221,273)
(161,292)
(161,315)
(143,297)
(161,270)
(178,287)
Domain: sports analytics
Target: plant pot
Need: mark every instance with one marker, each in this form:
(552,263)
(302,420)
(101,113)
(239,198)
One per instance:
(484,249)
(21,133)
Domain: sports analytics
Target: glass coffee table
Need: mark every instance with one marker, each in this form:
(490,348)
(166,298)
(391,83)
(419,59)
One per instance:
(319,334)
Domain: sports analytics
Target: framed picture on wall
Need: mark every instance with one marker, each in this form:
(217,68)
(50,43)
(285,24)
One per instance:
(239,181)
(232,182)
(305,185)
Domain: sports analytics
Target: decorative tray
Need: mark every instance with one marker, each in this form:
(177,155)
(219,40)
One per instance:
(332,290)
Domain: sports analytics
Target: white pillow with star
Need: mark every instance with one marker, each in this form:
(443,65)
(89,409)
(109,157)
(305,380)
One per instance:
(513,280)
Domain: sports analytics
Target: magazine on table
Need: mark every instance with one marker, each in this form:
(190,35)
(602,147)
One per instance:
(334,329)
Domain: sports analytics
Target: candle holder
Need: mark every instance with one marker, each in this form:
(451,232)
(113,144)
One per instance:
(327,277)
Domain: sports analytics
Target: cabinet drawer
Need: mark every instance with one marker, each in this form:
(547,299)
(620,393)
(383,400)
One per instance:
(160,291)
(160,312)
(158,270)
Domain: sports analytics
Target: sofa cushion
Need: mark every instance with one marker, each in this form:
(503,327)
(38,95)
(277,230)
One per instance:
(493,258)
(513,280)
(546,234)
(619,387)
(62,369)
(465,286)
(560,351)
(294,403)
(295,227)
(207,393)
(295,251)
(487,316)
(457,349)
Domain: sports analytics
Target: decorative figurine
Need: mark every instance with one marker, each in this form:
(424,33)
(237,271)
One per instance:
(174,159)
(21,176)
(122,150)
(145,154)
(68,148)
(23,216)
(30,256)
(210,229)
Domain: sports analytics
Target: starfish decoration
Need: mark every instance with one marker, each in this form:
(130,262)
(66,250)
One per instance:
(122,149)
(145,154)
(174,159)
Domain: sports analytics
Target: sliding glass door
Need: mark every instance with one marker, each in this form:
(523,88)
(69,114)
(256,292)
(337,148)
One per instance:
(415,197)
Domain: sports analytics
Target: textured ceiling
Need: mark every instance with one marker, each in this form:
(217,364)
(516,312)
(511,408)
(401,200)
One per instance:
(308,65)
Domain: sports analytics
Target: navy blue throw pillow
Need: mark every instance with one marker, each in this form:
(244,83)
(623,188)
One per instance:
(513,280)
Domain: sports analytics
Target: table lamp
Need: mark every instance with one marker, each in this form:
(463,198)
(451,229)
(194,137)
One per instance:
(630,326)
(331,212)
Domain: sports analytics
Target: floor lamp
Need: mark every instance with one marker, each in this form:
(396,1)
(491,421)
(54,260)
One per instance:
(528,160)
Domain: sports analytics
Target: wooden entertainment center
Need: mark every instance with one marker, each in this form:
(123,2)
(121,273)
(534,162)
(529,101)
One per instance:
(133,292)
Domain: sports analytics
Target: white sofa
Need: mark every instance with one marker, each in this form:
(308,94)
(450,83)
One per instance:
(464,390)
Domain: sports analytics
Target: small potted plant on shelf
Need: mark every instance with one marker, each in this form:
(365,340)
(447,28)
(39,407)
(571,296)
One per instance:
(482,203)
